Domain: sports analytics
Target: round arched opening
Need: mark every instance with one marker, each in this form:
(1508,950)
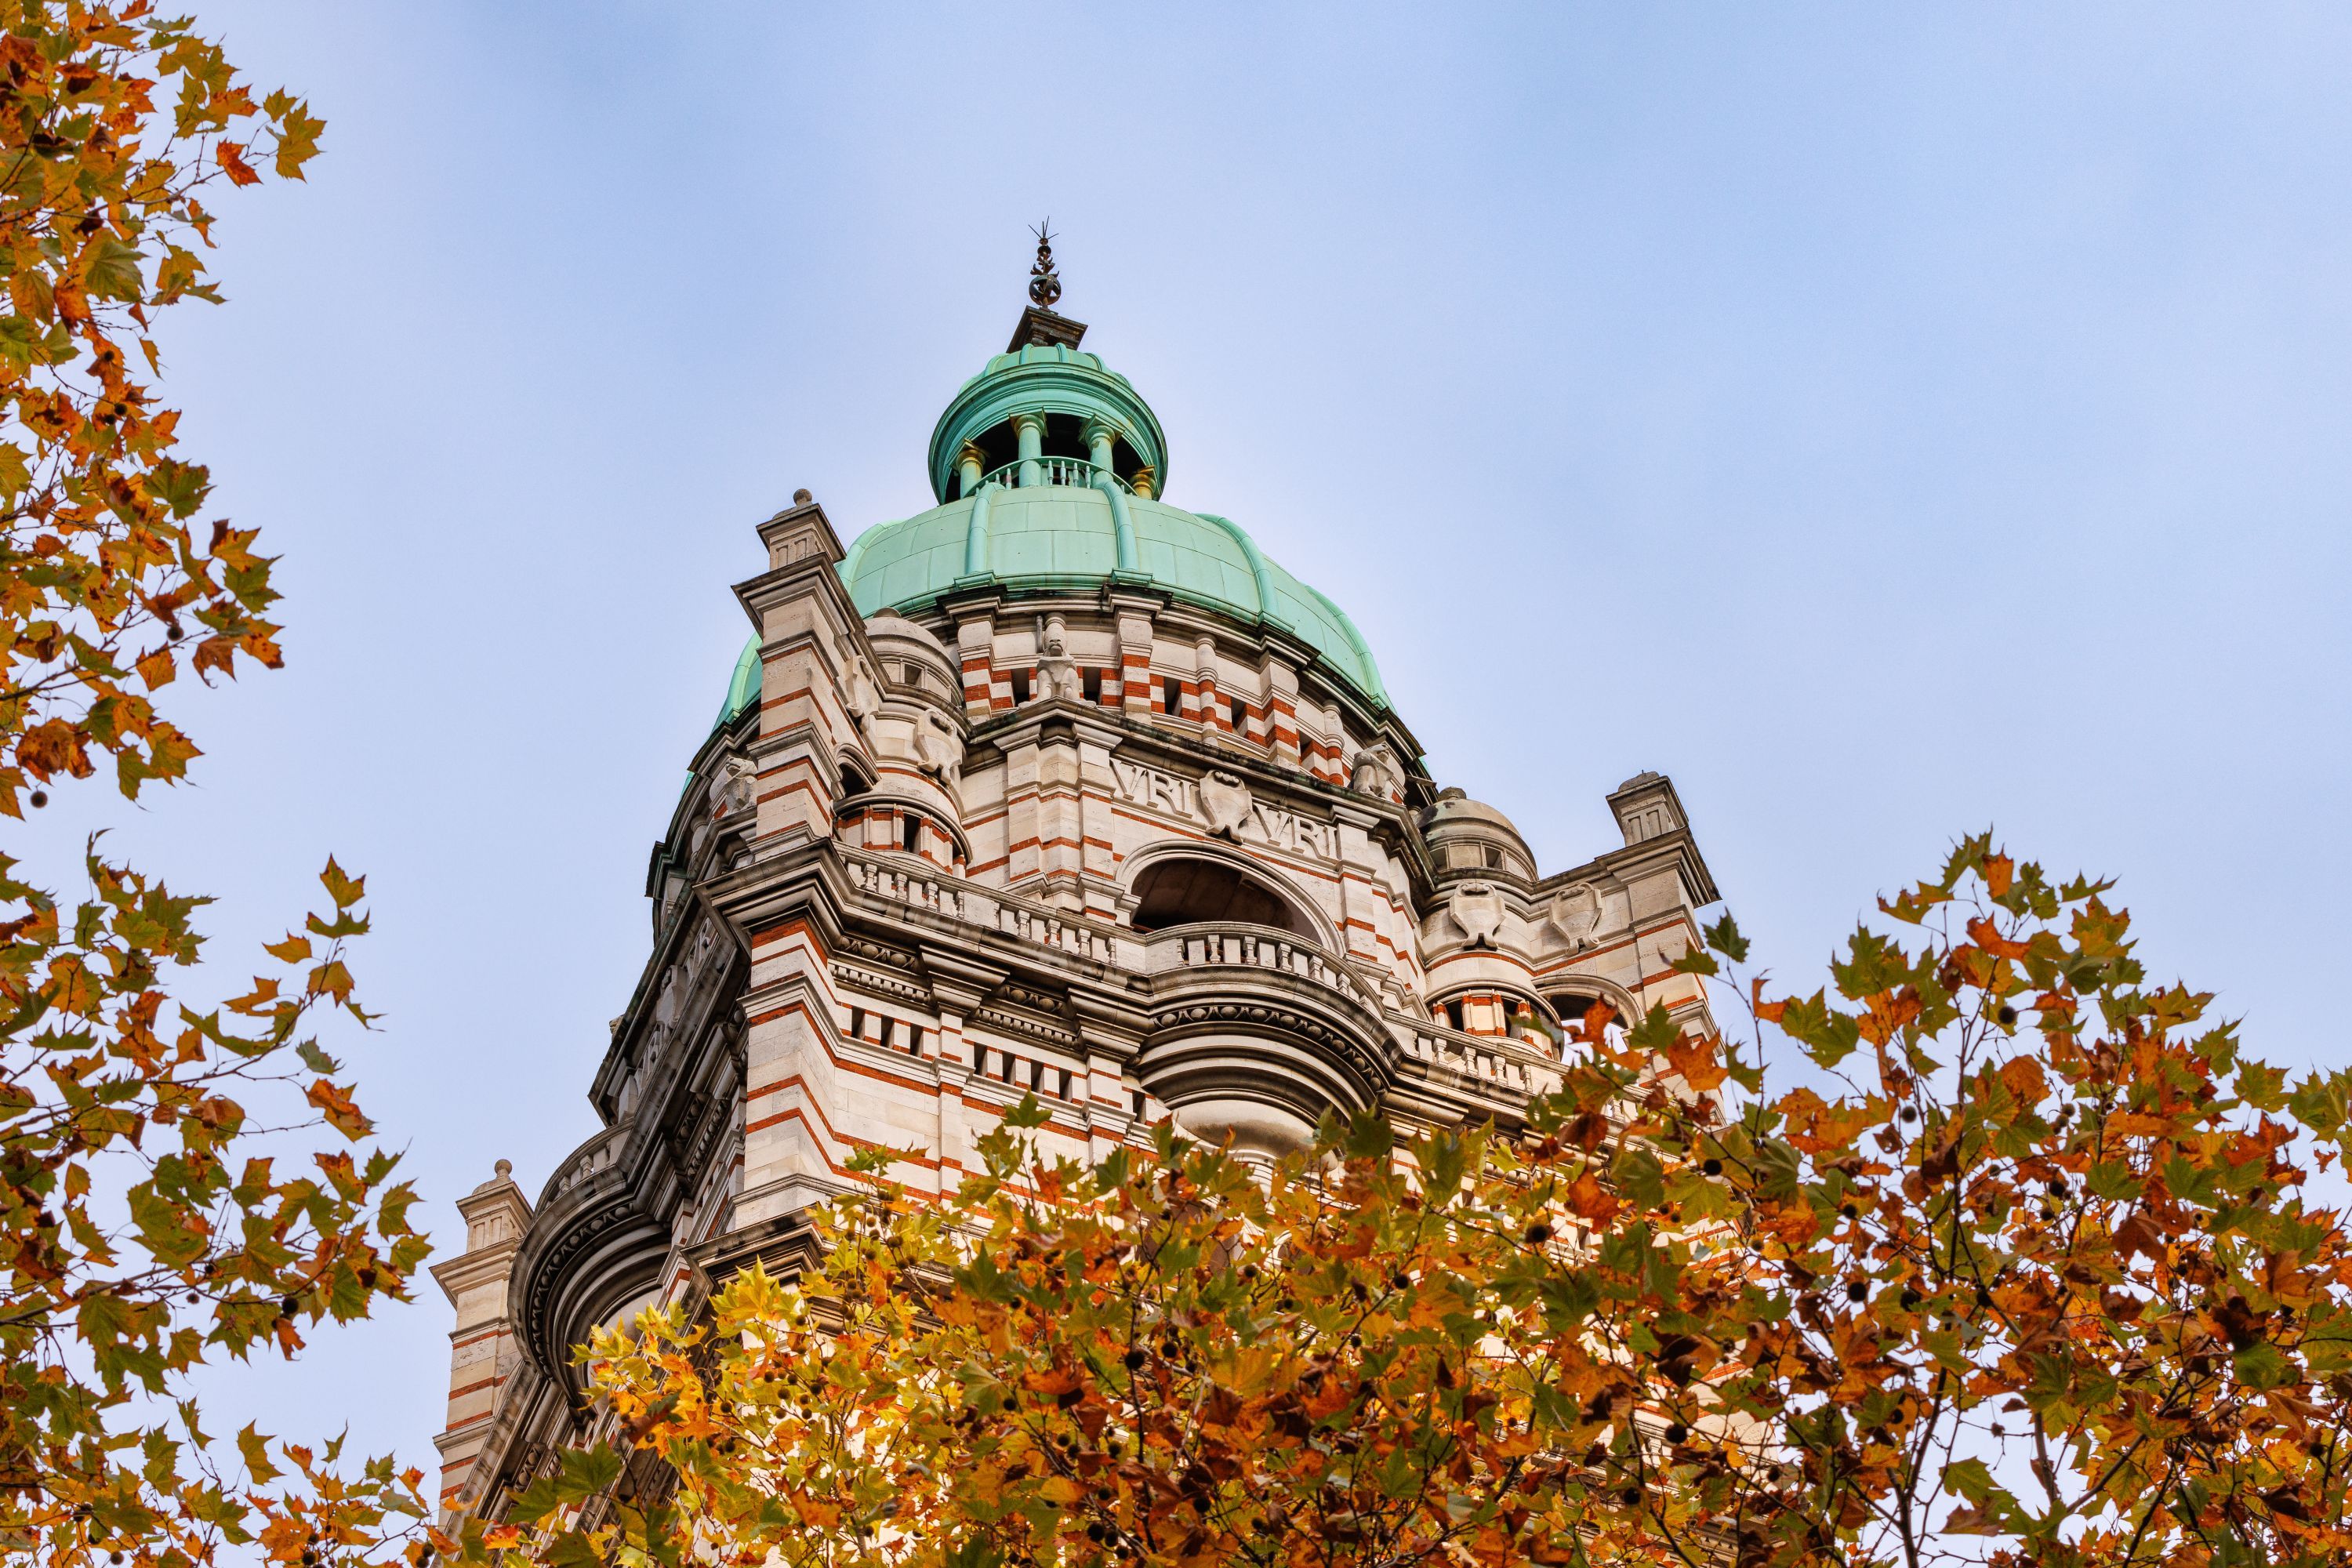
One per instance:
(1183,890)
(1572,1008)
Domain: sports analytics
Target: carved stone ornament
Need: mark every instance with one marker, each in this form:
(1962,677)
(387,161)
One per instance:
(1375,773)
(1576,915)
(737,788)
(859,692)
(666,1005)
(1478,909)
(1224,803)
(1057,672)
(939,749)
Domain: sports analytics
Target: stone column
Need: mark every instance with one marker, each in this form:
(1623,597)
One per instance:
(1060,819)
(1097,824)
(1030,430)
(791,1093)
(1366,914)
(483,1351)
(970,464)
(1022,829)
(1111,1032)
(1099,439)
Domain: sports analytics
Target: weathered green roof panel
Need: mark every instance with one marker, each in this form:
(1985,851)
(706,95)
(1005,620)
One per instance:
(1055,538)
(743,688)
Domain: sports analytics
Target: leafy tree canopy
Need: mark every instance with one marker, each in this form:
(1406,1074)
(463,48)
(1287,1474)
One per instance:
(2006,1257)
(160,1205)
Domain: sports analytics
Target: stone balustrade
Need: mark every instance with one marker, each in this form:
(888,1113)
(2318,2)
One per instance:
(1235,944)
(960,901)
(598,1154)
(1482,1058)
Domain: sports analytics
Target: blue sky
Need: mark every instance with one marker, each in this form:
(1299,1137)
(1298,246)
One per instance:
(1887,421)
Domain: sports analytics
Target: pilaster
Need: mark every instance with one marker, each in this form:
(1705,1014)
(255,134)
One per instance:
(976,653)
(814,675)
(1282,712)
(796,1141)
(1135,663)
(960,983)
(1212,710)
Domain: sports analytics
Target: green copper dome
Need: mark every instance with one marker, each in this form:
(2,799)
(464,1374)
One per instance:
(1054,464)
(1060,538)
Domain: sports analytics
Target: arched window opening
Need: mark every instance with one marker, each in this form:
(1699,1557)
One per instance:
(1571,1007)
(1186,891)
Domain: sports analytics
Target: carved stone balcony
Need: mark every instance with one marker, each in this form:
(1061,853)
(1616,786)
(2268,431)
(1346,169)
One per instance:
(1257,1031)
(1466,1078)
(904,881)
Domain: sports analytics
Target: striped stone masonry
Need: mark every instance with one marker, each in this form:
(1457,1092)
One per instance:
(1103,834)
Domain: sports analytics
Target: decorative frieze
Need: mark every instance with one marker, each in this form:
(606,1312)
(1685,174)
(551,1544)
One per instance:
(1223,803)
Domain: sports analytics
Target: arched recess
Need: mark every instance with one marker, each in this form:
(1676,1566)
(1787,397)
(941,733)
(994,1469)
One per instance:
(1539,1002)
(1192,882)
(1570,996)
(590,1249)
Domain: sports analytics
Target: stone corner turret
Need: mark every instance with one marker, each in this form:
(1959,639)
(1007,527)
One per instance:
(483,1350)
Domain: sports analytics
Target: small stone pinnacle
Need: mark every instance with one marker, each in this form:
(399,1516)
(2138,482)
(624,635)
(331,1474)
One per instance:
(504,1168)
(801,498)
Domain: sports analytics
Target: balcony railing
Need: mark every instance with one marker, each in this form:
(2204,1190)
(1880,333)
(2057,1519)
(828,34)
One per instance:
(1507,1064)
(930,887)
(1232,944)
(1074,471)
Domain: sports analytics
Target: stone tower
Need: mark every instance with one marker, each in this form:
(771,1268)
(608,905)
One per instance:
(1053,789)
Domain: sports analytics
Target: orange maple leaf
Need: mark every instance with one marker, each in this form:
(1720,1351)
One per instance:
(231,156)
(1987,935)
(1587,1199)
(1695,1058)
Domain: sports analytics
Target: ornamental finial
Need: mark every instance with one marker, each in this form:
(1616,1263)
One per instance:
(1044,286)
